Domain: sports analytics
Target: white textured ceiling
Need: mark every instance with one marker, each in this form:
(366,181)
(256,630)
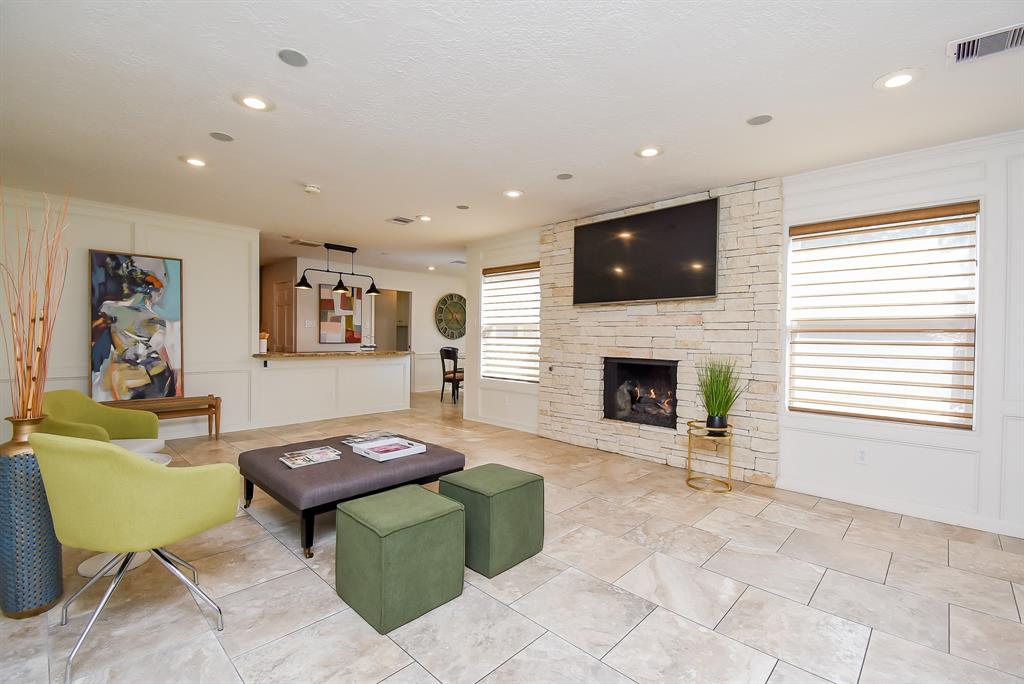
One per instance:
(414,107)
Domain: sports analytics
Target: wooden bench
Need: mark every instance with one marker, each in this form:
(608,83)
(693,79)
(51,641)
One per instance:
(178,407)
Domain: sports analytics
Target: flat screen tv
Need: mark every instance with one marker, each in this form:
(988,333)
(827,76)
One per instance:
(666,254)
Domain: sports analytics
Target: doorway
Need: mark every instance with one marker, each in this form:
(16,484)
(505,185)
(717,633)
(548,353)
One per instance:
(391,320)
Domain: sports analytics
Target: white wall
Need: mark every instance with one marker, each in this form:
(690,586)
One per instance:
(973,478)
(426,289)
(220,299)
(500,402)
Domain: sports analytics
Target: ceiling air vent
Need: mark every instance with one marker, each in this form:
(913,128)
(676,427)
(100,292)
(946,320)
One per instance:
(975,47)
(401,220)
(306,243)
(461,262)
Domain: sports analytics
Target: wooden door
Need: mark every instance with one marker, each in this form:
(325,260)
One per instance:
(282,330)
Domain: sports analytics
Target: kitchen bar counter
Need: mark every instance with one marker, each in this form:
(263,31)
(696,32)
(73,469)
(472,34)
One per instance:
(328,354)
(299,387)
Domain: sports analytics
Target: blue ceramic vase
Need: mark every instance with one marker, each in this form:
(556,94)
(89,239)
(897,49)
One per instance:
(31,579)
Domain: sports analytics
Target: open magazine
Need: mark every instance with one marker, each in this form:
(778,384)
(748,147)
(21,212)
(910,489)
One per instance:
(363,437)
(305,457)
(388,448)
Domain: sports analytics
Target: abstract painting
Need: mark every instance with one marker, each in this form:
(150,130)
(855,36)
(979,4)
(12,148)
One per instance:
(136,342)
(341,316)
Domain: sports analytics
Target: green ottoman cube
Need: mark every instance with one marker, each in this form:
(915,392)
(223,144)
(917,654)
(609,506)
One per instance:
(400,554)
(504,515)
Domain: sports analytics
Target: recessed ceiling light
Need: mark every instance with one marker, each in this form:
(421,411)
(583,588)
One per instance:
(618,269)
(696,266)
(897,79)
(564,176)
(222,137)
(513,194)
(648,152)
(193,161)
(254,102)
(292,57)
(423,217)
(462,206)
(430,268)
(625,235)
(759,120)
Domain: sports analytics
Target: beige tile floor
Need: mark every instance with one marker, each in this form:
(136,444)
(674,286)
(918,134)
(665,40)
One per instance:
(641,580)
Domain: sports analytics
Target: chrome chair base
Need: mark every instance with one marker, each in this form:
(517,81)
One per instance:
(167,559)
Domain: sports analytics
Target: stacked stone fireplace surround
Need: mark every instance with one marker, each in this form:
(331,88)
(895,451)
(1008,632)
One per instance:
(741,322)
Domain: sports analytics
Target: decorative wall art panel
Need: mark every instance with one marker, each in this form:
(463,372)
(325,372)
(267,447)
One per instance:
(341,316)
(136,341)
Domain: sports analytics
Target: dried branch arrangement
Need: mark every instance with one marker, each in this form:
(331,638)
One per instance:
(33,265)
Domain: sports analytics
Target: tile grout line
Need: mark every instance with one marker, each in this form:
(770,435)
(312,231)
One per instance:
(407,665)
(294,631)
(545,582)
(818,586)
(722,634)
(864,658)
(1020,615)
(499,665)
(726,613)
(631,630)
(259,584)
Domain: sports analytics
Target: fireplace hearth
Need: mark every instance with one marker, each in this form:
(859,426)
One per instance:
(640,391)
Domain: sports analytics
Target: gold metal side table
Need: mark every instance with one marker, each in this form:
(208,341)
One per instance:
(697,428)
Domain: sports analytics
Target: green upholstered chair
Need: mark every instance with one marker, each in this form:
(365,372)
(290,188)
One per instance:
(400,554)
(504,515)
(104,498)
(72,414)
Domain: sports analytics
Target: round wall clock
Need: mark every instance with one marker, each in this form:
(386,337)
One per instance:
(450,316)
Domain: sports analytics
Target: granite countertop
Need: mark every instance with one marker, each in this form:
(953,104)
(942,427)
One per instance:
(328,354)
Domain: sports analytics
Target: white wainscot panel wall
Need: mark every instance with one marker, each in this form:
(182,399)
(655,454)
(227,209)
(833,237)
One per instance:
(220,275)
(302,390)
(499,402)
(973,478)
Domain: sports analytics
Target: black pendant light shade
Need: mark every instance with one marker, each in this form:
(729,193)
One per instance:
(340,287)
(303,283)
(372,290)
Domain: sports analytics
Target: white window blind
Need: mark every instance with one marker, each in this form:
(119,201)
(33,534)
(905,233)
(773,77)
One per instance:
(510,323)
(881,316)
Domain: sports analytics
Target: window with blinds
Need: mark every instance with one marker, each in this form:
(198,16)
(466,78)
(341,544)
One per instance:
(510,323)
(881,316)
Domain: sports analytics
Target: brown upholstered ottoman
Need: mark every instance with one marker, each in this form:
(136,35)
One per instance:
(321,487)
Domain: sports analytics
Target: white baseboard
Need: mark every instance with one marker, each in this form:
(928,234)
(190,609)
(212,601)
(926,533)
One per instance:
(961,518)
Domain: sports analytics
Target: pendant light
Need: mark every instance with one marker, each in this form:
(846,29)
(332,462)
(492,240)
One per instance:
(340,288)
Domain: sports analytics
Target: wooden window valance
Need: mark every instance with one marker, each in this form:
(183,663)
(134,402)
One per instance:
(943,211)
(513,268)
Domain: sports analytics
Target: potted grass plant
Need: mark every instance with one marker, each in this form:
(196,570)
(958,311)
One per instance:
(720,387)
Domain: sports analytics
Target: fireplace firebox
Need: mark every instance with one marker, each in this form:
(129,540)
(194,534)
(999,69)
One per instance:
(640,391)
